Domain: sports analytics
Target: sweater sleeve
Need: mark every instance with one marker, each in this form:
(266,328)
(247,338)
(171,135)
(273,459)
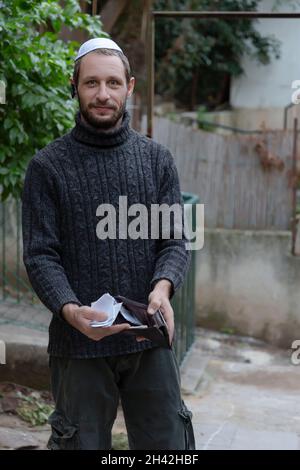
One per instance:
(41,240)
(173,259)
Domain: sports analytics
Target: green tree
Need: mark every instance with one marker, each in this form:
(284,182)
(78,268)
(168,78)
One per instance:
(35,65)
(196,58)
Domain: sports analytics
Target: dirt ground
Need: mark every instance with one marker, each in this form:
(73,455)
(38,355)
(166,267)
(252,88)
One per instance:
(23,419)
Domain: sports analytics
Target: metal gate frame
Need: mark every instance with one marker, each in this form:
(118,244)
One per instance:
(233,15)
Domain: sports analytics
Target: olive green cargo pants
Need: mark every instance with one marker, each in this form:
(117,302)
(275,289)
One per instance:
(87,392)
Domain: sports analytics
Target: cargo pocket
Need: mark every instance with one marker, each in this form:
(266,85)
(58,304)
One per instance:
(64,434)
(186,416)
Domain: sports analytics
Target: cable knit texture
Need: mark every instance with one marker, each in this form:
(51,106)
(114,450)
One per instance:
(65,260)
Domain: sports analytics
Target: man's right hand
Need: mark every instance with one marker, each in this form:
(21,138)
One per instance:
(81,317)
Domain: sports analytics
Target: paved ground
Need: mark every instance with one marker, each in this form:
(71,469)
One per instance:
(243,393)
(32,316)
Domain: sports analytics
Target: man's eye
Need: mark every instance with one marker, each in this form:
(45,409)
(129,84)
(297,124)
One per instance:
(114,82)
(91,82)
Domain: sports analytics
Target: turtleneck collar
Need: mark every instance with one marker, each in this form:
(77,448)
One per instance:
(87,134)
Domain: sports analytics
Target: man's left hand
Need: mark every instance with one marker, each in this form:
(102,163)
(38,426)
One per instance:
(159,298)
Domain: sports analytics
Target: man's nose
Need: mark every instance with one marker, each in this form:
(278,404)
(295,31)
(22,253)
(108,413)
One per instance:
(102,93)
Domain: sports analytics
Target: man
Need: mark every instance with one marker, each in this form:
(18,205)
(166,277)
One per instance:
(69,267)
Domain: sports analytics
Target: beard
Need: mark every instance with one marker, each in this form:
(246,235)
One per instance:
(97,121)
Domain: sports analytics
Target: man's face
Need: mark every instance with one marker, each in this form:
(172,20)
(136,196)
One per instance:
(102,90)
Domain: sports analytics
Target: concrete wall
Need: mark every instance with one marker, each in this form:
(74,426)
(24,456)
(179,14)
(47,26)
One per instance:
(249,283)
(269,86)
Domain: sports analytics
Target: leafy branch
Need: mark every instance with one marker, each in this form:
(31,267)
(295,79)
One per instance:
(35,65)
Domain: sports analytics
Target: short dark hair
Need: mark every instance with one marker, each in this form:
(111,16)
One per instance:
(104,52)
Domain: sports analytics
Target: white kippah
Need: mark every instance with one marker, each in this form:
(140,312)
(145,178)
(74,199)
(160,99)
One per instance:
(96,43)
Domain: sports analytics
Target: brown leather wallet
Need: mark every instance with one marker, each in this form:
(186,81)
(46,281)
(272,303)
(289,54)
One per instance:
(156,328)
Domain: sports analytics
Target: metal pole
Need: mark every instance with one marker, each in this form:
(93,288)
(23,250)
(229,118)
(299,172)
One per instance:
(150,70)
(294,187)
(94,7)
(285,118)
(223,14)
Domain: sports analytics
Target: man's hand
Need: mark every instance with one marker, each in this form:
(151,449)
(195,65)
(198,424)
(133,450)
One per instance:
(81,317)
(159,299)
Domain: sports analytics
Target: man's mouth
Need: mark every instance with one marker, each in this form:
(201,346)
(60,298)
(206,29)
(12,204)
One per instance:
(103,107)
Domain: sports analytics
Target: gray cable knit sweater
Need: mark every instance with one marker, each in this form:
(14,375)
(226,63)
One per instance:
(65,260)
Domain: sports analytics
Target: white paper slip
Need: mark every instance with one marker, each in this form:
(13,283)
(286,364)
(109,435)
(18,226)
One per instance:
(141,326)
(107,304)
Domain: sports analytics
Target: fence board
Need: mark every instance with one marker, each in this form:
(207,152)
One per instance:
(226,173)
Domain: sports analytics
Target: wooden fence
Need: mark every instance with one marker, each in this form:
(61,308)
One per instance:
(244,181)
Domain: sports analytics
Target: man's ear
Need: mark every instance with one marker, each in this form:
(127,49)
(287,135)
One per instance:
(73,88)
(130,87)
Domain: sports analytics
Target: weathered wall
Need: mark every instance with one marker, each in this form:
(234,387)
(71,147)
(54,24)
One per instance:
(267,86)
(248,282)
